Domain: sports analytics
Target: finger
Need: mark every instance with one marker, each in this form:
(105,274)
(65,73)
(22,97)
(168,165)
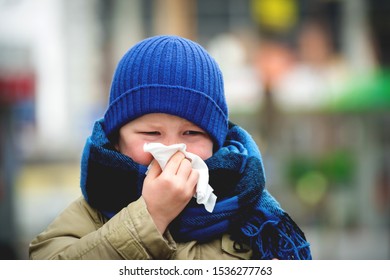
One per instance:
(193,180)
(154,169)
(185,168)
(187,158)
(173,163)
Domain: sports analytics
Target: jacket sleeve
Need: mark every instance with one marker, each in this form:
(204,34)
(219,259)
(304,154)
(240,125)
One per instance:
(80,233)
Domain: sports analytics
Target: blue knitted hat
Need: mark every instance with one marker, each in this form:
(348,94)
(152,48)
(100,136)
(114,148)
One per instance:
(172,75)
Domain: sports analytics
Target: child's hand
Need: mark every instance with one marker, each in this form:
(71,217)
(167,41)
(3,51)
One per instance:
(167,192)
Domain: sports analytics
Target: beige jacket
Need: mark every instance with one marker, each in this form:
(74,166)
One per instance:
(81,232)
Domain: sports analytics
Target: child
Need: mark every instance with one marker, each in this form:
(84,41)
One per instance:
(169,90)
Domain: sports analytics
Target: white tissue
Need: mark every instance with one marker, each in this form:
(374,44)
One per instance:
(204,192)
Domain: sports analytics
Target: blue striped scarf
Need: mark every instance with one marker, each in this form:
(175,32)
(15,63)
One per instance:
(244,209)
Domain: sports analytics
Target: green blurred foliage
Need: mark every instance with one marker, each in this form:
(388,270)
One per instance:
(337,167)
(369,93)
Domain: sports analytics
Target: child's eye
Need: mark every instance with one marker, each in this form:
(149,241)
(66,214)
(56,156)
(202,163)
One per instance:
(151,133)
(193,132)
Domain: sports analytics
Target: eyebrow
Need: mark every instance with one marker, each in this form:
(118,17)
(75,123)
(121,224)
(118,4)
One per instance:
(151,125)
(157,125)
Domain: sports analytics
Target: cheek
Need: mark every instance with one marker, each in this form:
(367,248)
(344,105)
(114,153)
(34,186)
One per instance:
(203,151)
(141,157)
(136,153)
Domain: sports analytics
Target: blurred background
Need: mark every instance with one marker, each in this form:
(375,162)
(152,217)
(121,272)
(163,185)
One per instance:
(309,79)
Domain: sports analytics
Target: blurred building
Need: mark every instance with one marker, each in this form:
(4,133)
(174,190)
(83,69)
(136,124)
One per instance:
(303,94)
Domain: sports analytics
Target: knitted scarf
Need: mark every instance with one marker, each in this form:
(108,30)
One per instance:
(244,209)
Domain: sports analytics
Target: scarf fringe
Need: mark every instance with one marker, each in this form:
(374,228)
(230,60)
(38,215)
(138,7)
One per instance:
(277,238)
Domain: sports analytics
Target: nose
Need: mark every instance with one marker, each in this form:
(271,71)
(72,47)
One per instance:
(171,140)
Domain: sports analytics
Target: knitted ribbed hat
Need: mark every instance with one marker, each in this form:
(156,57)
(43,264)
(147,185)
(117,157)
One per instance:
(172,75)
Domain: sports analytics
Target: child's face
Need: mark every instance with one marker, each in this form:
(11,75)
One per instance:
(165,129)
